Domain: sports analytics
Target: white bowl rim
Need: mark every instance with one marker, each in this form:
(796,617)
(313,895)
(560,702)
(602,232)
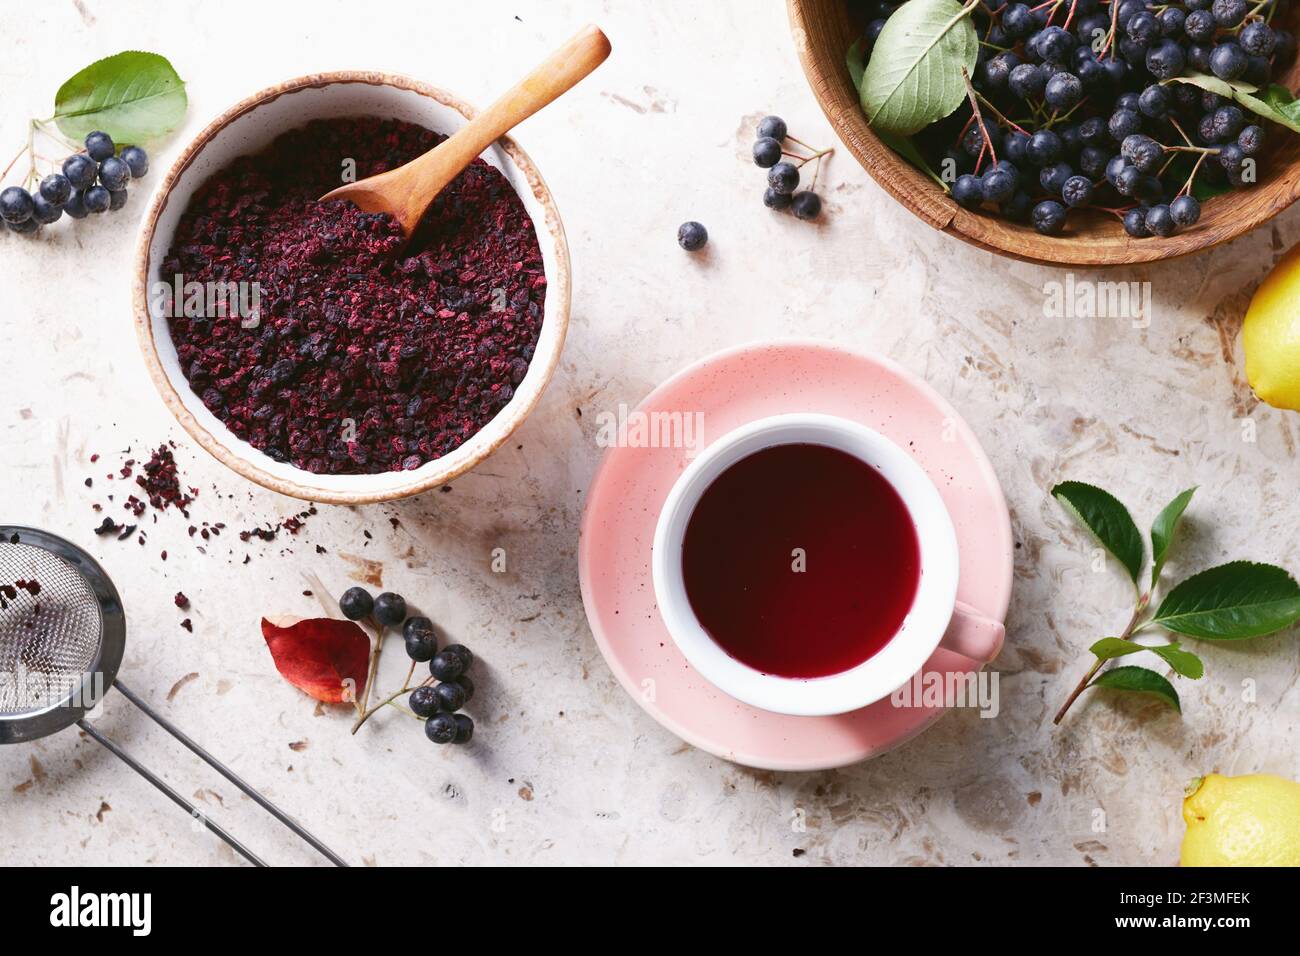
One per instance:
(360,488)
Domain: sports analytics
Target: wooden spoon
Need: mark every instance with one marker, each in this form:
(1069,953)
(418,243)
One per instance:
(406,192)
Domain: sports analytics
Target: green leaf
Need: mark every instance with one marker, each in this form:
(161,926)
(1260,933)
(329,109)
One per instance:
(1139,680)
(1231,602)
(1213,84)
(904,147)
(914,77)
(1162,531)
(1184,663)
(1275,103)
(133,96)
(1108,520)
(856,60)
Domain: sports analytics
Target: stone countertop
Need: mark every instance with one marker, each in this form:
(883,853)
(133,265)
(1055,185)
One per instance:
(565,767)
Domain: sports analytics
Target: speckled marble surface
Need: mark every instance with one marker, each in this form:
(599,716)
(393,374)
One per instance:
(566,768)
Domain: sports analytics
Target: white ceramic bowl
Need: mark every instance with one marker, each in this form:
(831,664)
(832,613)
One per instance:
(923,627)
(249,127)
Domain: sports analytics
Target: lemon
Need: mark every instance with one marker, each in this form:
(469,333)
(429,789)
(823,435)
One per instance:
(1270,335)
(1242,821)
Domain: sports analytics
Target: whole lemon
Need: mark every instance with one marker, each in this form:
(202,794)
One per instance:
(1242,821)
(1270,335)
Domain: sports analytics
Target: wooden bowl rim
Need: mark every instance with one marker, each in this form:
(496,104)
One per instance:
(888,168)
(558,285)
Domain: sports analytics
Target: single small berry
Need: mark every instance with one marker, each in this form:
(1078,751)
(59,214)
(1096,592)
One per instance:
(421,639)
(390,609)
(806,205)
(467,686)
(783,177)
(356,603)
(767,152)
(1044,148)
(76,206)
(44,211)
(15,205)
(423,701)
(446,666)
(461,651)
(137,160)
(1228,61)
(1049,217)
(81,170)
(99,146)
(1135,223)
(97,199)
(441,728)
(968,191)
(1077,191)
(1251,140)
(114,174)
(25,228)
(772,127)
(775,200)
(464,729)
(692,236)
(451,697)
(56,188)
(1160,221)
(1185,210)
(1229,13)
(116,199)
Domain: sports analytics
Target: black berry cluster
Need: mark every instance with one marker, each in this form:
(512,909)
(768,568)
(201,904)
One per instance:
(447,689)
(783,169)
(93,181)
(1074,106)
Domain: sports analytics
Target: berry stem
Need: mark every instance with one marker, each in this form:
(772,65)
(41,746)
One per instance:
(1187,186)
(406,689)
(998,115)
(979,118)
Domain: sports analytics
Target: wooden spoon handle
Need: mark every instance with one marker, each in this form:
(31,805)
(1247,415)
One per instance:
(558,74)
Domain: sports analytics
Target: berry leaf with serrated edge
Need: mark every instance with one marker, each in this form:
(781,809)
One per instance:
(1233,601)
(1184,663)
(133,96)
(321,656)
(1109,521)
(1162,531)
(1139,680)
(914,76)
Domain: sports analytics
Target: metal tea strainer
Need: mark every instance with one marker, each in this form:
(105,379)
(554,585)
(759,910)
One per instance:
(62,632)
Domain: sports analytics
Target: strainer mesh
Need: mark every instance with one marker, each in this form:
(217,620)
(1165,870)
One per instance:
(49,634)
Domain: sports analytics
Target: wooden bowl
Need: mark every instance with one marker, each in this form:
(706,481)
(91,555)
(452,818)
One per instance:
(249,127)
(823,34)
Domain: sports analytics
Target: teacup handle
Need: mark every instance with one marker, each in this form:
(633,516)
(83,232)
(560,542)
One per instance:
(972,635)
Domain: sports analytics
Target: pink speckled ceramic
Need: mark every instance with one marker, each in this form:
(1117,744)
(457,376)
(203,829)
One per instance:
(623,504)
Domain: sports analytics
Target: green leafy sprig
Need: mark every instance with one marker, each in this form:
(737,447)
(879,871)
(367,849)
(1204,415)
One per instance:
(1234,601)
(133,96)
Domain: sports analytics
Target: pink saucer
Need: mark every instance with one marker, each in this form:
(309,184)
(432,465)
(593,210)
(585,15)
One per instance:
(731,388)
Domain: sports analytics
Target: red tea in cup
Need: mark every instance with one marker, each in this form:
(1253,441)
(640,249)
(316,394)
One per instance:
(801,560)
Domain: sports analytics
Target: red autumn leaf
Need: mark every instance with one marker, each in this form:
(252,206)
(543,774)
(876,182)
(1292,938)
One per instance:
(321,656)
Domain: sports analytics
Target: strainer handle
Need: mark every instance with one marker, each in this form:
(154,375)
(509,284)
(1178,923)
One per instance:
(229,774)
(175,797)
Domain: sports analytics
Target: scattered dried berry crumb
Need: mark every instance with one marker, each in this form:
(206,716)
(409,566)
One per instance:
(161,482)
(188,625)
(293,524)
(181,600)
